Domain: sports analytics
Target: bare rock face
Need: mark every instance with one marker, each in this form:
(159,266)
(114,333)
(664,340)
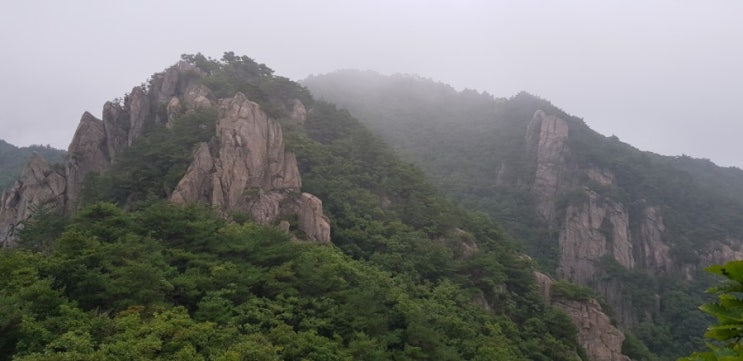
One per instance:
(116,126)
(139,113)
(312,221)
(655,253)
(545,136)
(87,153)
(299,112)
(40,186)
(247,169)
(592,230)
(601,340)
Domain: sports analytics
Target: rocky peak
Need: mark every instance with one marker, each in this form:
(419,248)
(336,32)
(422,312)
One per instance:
(40,186)
(545,139)
(87,153)
(246,168)
(601,340)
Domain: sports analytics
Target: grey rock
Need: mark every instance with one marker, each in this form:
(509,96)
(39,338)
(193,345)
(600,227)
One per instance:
(40,185)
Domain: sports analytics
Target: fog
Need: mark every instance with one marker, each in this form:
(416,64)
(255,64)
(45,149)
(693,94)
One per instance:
(664,75)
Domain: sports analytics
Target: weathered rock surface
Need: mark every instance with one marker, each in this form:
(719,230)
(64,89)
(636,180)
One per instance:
(40,186)
(590,224)
(299,112)
(139,113)
(545,137)
(601,340)
(590,231)
(246,168)
(87,153)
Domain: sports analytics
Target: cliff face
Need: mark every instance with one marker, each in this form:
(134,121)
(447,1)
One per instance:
(601,340)
(246,168)
(595,226)
(40,186)
(545,138)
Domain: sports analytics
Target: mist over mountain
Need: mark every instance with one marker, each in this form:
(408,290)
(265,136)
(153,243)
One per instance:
(636,227)
(220,212)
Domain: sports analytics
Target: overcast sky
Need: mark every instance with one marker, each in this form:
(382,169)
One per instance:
(664,76)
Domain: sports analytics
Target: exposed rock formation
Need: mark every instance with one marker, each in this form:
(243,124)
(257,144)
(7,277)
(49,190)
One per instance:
(247,169)
(654,252)
(87,153)
(545,136)
(598,337)
(601,340)
(590,231)
(589,224)
(41,186)
(299,112)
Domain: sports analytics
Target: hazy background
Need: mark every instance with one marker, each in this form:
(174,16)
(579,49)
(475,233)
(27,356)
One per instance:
(665,76)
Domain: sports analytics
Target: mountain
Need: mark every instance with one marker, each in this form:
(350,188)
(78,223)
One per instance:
(636,227)
(221,212)
(12,160)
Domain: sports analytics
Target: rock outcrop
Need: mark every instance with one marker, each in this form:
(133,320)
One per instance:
(601,340)
(246,168)
(589,224)
(41,185)
(545,138)
(591,230)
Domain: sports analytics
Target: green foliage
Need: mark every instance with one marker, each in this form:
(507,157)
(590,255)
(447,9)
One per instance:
(473,146)
(413,277)
(571,291)
(725,336)
(178,283)
(151,168)
(233,74)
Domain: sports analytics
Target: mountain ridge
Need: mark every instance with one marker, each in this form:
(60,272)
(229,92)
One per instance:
(409,275)
(635,226)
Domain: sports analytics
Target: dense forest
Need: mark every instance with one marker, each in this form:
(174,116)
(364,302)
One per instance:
(409,276)
(474,147)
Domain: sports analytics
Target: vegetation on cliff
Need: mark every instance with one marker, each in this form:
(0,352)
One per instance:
(474,147)
(411,276)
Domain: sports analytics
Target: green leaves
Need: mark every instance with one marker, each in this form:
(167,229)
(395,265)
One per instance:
(726,337)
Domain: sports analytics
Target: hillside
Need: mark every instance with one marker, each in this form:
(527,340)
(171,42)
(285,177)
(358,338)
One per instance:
(636,227)
(12,160)
(222,213)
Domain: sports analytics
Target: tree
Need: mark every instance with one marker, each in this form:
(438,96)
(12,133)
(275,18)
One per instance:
(726,337)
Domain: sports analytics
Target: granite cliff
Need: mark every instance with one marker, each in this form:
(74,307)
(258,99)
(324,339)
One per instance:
(245,168)
(601,340)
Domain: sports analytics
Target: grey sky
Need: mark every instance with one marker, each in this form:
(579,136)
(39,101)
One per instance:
(665,76)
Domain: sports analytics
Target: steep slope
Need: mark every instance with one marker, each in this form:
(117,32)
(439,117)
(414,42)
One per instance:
(634,226)
(12,160)
(143,278)
(104,147)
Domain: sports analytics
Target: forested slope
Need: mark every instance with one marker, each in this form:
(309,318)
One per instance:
(409,276)
(635,226)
